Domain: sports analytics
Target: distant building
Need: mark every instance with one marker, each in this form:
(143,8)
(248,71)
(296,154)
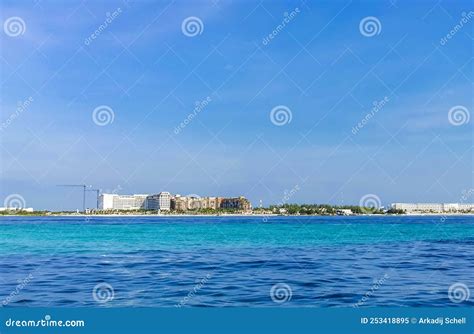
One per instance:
(184,203)
(121,202)
(179,203)
(344,212)
(16,209)
(161,201)
(164,201)
(433,207)
(210,202)
(240,203)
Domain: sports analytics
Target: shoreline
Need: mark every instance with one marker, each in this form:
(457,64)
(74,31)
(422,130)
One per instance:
(246,215)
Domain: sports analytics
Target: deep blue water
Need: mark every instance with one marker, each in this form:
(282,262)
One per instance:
(237,261)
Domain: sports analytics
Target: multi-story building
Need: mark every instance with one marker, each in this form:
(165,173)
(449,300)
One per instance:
(16,209)
(184,203)
(161,201)
(164,201)
(240,203)
(433,207)
(179,203)
(121,202)
(466,207)
(211,202)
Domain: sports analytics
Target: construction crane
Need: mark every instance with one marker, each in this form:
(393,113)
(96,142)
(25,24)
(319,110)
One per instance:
(83,186)
(98,193)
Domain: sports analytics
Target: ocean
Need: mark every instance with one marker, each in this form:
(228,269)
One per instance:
(358,261)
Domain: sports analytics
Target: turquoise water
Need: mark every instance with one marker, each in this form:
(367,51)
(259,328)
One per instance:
(235,261)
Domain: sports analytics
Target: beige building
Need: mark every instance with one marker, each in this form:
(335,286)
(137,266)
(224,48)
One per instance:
(240,203)
(185,203)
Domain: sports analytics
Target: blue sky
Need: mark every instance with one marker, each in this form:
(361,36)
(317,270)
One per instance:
(320,66)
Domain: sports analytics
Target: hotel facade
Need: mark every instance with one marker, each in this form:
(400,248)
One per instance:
(159,201)
(164,201)
(433,207)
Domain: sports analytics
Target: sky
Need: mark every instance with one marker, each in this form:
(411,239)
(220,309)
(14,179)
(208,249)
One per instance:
(340,102)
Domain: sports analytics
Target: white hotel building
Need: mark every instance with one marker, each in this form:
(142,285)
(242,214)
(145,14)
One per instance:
(434,207)
(161,201)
